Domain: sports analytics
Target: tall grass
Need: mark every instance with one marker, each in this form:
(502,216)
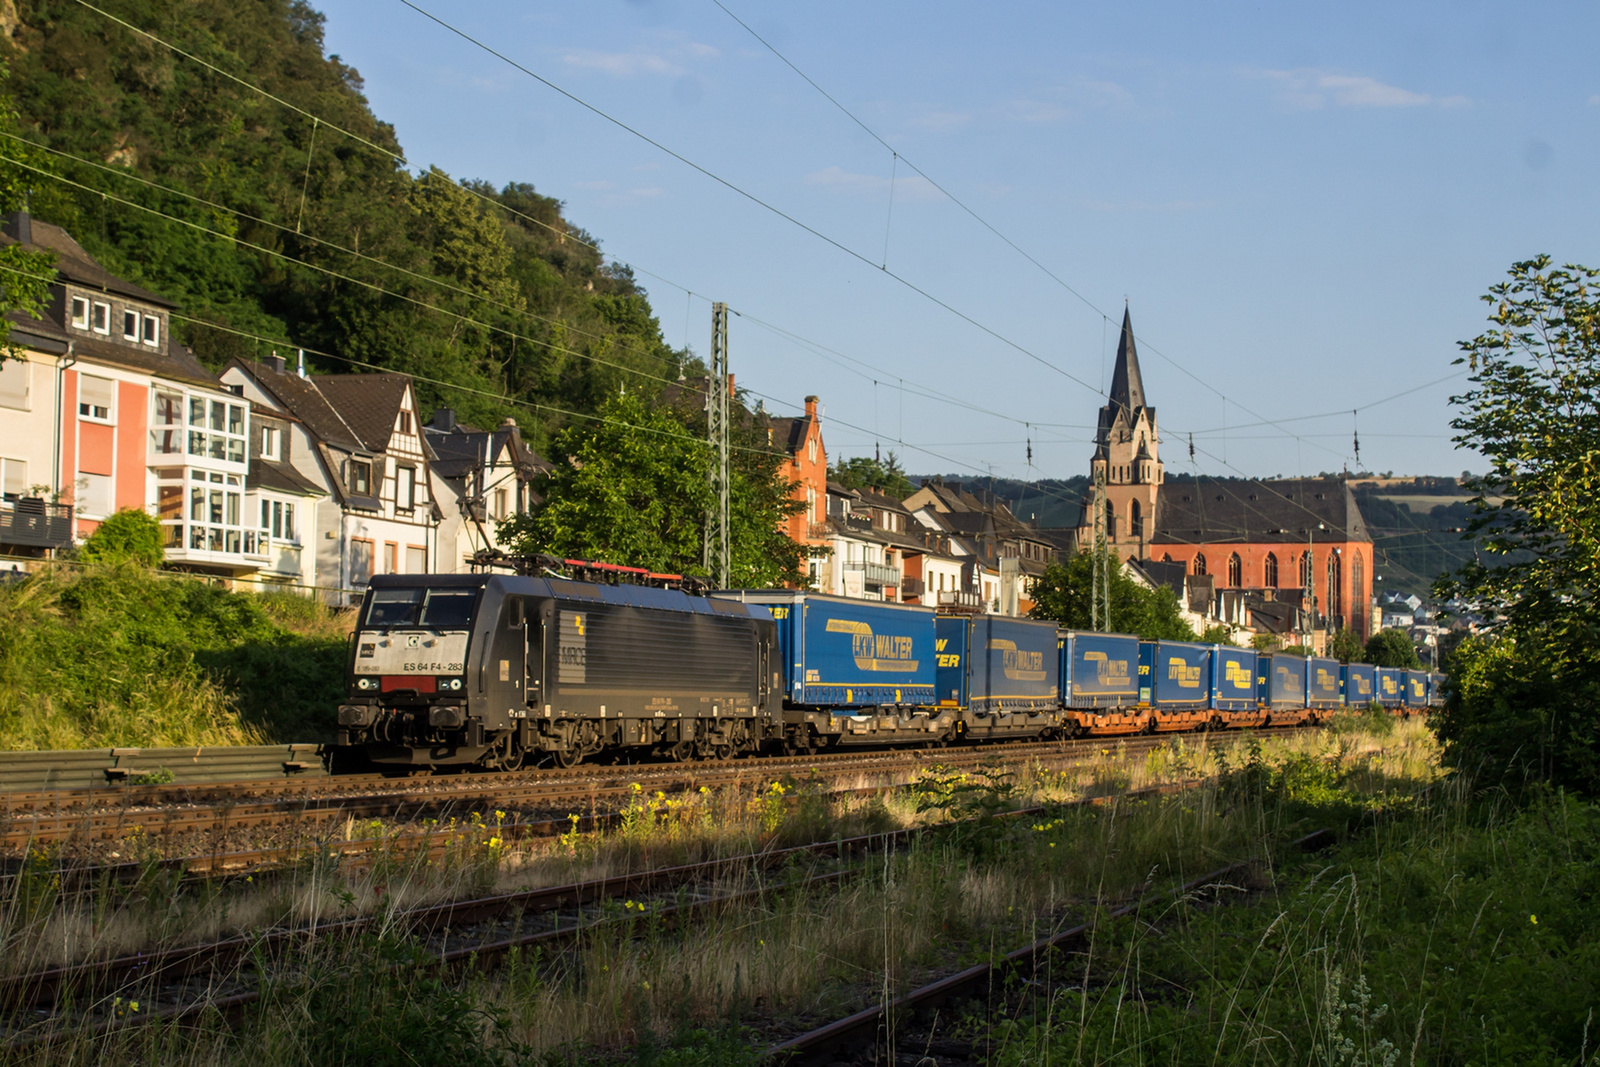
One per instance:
(119,655)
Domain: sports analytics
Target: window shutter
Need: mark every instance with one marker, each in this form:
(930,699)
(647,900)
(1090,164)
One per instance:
(15,375)
(95,391)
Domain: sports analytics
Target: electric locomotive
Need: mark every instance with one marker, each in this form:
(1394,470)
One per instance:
(499,670)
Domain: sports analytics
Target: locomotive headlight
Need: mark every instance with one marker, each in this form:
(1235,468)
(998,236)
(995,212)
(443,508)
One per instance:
(449,685)
(366,683)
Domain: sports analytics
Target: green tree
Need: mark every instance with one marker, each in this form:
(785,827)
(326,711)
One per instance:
(1392,648)
(861,472)
(24,276)
(633,488)
(1346,647)
(129,535)
(1065,593)
(1526,700)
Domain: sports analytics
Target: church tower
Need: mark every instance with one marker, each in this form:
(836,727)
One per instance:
(1127,460)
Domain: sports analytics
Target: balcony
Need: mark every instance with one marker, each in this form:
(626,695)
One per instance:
(875,573)
(36,523)
(955,600)
(911,587)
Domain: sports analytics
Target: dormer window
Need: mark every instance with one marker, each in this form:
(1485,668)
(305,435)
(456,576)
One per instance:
(130,326)
(100,318)
(152,331)
(271,443)
(360,477)
(80,313)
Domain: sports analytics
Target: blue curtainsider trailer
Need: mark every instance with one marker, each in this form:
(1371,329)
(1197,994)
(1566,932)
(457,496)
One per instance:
(1416,689)
(1233,679)
(1013,665)
(1360,683)
(844,654)
(1099,670)
(1174,674)
(1323,690)
(1282,682)
(1391,687)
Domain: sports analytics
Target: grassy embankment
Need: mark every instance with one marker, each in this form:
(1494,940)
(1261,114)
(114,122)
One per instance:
(120,655)
(728,983)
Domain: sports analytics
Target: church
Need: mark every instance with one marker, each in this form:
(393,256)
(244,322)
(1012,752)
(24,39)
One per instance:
(1248,549)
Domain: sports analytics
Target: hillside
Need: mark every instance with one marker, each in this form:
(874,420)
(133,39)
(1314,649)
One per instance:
(304,235)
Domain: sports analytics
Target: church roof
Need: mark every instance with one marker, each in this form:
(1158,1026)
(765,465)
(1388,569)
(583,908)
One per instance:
(1127,387)
(1207,510)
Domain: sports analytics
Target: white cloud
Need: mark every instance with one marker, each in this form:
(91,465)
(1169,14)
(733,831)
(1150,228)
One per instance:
(1312,89)
(912,187)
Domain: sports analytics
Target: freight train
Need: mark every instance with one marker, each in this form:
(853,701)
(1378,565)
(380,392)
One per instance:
(502,670)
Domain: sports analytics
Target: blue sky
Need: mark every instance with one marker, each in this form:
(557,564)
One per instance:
(1300,203)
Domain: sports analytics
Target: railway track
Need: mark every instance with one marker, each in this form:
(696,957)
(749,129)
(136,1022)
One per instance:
(308,809)
(226,976)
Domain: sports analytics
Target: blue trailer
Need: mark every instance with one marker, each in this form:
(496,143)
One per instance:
(951,647)
(1416,689)
(1360,684)
(1435,690)
(1391,687)
(1233,679)
(1323,690)
(1099,670)
(850,654)
(1174,675)
(1282,682)
(1013,665)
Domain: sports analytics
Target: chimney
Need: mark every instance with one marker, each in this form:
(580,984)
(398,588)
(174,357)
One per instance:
(811,407)
(508,423)
(730,386)
(19,224)
(444,419)
(302,368)
(275,362)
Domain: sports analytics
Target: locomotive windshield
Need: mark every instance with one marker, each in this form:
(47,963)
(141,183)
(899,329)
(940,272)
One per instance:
(436,609)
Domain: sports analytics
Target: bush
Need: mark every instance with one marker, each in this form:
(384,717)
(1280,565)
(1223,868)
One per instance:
(1525,708)
(125,655)
(1393,648)
(129,536)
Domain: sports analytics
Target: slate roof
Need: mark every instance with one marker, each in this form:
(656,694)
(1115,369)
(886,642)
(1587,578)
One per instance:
(368,403)
(265,474)
(1206,511)
(72,262)
(301,398)
(1127,385)
(789,433)
(459,450)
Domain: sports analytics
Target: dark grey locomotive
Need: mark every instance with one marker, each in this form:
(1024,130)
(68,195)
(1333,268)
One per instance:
(498,670)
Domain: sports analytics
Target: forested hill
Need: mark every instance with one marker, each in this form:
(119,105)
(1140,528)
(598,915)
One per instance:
(307,234)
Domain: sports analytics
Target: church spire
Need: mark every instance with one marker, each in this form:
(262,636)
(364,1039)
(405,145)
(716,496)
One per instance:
(1127,388)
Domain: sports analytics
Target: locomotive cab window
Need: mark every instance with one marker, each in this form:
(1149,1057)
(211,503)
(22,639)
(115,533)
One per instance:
(437,609)
(514,613)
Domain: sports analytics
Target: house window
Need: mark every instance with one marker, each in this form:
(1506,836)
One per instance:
(1235,571)
(360,477)
(1269,571)
(96,495)
(360,560)
(13,479)
(416,559)
(1135,519)
(499,509)
(391,558)
(166,421)
(130,325)
(277,520)
(100,318)
(80,313)
(94,397)
(152,331)
(405,422)
(226,425)
(407,496)
(271,442)
(1199,562)
(16,378)
(811,449)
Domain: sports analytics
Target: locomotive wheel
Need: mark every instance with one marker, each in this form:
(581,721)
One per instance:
(681,752)
(570,756)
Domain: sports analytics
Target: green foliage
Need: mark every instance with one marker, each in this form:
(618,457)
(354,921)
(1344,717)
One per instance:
(633,488)
(1346,647)
(1216,634)
(130,535)
(490,291)
(123,655)
(1392,648)
(24,276)
(1525,708)
(383,1005)
(1296,650)
(1458,934)
(861,472)
(1065,593)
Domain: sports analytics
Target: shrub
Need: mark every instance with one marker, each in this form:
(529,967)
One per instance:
(129,536)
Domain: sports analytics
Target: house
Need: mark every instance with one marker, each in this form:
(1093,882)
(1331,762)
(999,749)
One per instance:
(1001,556)
(357,438)
(104,411)
(481,478)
